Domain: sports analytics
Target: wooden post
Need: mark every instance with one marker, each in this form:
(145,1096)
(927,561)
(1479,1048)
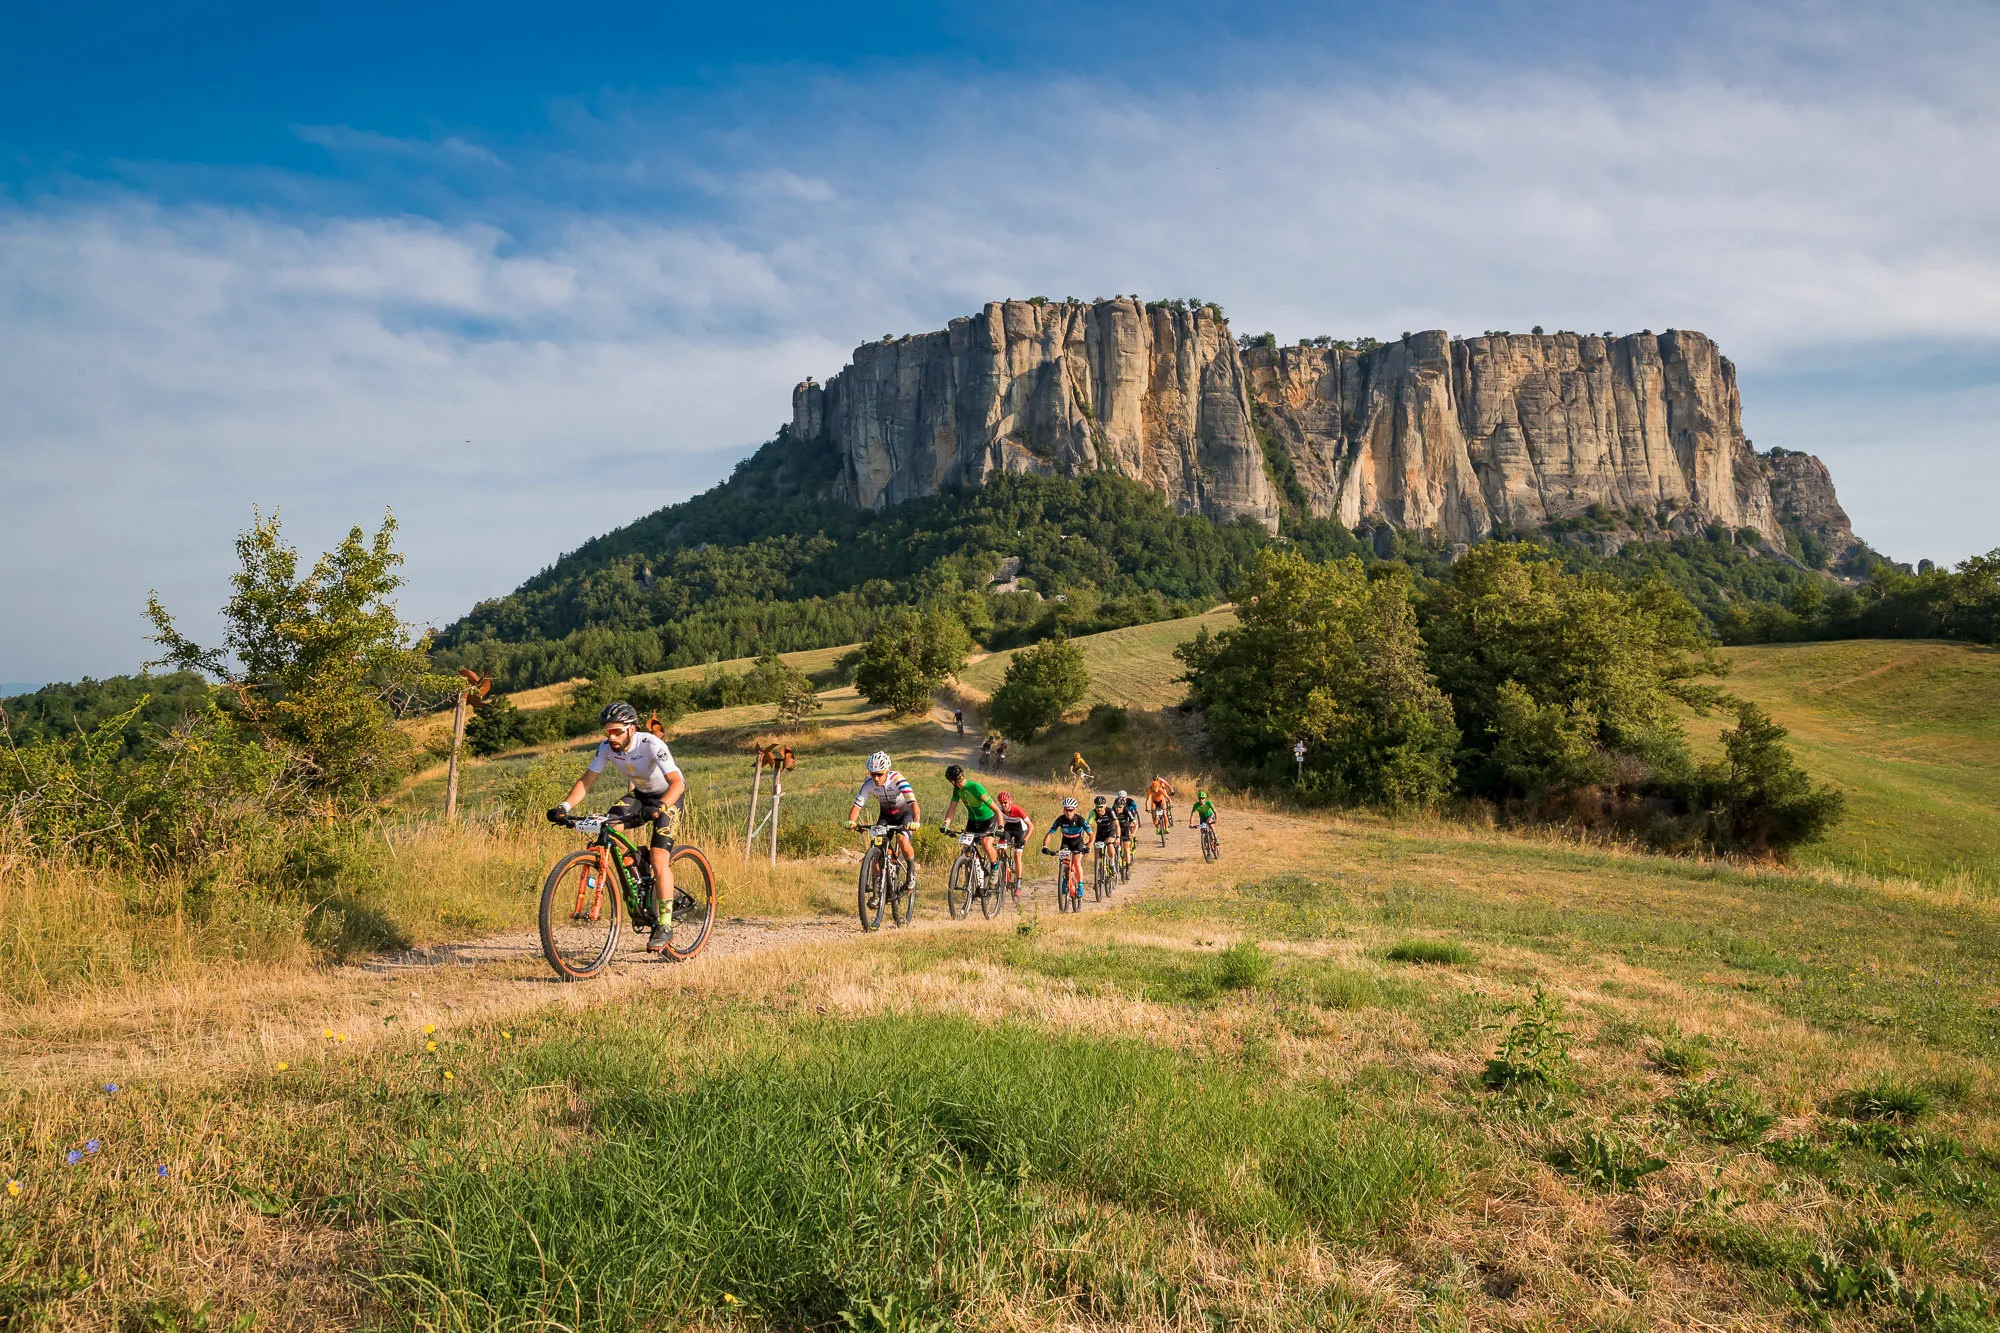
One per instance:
(756,789)
(777,795)
(451,775)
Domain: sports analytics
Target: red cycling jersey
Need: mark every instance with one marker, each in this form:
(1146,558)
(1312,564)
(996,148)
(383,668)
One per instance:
(1012,813)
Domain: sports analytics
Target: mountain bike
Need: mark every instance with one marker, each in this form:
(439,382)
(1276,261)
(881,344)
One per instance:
(1210,849)
(1104,871)
(887,877)
(1163,819)
(972,879)
(583,892)
(1069,893)
(1007,880)
(1124,859)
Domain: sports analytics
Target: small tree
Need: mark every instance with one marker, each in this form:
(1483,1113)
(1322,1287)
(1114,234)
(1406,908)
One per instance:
(321,664)
(1042,683)
(496,725)
(1760,800)
(908,657)
(797,701)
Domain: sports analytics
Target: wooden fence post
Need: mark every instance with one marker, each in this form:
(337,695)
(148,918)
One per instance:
(451,774)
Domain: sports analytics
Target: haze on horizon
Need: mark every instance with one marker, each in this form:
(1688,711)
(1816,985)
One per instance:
(525,278)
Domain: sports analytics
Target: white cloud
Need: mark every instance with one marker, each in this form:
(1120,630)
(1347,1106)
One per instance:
(171,365)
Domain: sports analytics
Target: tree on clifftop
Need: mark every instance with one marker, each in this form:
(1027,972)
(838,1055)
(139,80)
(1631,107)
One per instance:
(908,657)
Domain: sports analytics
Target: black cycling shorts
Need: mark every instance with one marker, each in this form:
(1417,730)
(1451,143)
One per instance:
(1078,842)
(981,827)
(899,817)
(1017,833)
(639,807)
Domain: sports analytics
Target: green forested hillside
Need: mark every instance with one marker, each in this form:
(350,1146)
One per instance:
(761,563)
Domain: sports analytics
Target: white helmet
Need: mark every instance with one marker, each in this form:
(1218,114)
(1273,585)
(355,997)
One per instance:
(879,762)
(1069,802)
(1121,795)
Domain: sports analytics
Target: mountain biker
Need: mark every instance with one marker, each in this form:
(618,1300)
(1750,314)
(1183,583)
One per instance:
(1202,812)
(1017,825)
(1074,826)
(1127,811)
(1000,756)
(1106,822)
(981,817)
(657,791)
(986,753)
(1160,795)
(896,803)
(1077,767)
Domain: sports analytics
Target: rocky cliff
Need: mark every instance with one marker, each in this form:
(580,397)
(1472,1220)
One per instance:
(1452,437)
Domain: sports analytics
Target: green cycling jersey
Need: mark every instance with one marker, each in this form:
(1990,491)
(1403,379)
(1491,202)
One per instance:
(978,805)
(1203,811)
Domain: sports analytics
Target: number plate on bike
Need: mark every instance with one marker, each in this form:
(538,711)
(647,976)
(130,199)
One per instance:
(967,839)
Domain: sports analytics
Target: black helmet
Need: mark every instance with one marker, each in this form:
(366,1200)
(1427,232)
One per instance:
(618,712)
(954,773)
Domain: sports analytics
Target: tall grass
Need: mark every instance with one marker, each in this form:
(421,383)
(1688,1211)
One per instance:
(881,1173)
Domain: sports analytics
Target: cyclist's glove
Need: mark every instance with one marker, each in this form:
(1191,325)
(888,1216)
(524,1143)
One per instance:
(559,815)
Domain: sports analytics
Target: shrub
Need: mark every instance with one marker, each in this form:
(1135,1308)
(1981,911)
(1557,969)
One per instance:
(1604,1161)
(1720,1110)
(1898,1102)
(496,725)
(1534,1051)
(1681,1056)
(1759,799)
(1448,952)
(906,659)
(1042,684)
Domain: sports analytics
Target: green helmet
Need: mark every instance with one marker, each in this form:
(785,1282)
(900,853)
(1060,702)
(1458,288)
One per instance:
(1201,796)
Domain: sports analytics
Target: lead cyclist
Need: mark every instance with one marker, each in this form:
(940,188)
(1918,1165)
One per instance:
(656,795)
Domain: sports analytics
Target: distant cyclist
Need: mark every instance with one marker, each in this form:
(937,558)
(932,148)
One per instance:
(981,815)
(1016,825)
(896,802)
(1127,811)
(1202,812)
(1078,768)
(986,753)
(1105,821)
(1160,796)
(656,795)
(1073,826)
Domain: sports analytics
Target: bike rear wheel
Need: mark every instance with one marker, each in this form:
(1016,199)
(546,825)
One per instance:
(991,893)
(694,903)
(579,916)
(871,889)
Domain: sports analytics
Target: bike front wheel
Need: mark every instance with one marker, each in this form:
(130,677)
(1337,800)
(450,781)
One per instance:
(694,903)
(958,888)
(579,916)
(992,892)
(1209,850)
(871,889)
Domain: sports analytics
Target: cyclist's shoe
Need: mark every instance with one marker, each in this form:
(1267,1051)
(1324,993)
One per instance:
(658,941)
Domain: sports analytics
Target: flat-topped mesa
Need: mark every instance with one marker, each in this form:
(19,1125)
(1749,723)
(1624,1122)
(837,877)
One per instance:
(1030,386)
(1449,437)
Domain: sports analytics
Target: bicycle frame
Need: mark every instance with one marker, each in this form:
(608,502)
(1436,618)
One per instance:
(630,879)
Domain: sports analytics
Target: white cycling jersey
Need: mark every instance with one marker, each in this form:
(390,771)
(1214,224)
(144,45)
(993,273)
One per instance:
(647,762)
(892,789)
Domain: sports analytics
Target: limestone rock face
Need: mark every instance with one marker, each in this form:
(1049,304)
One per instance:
(1802,496)
(1450,437)
(1457,436)
(1157,395)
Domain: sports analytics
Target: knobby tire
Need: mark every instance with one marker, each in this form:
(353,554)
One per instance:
(579,948)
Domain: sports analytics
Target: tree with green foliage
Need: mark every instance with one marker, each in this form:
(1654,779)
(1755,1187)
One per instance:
(1043,683)
(1560,680)
(1326,654)
(321,665)
(496,725)
(1758,797)
(908,657)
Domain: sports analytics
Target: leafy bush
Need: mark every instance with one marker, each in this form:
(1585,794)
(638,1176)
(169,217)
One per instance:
(1534,1051)
(1719,1109)
(1329,655)
(1042,684)
(1758,797)
(906,660)
(1449,952)
(1604,1161)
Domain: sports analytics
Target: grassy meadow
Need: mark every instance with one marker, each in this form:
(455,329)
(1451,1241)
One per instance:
(1129,668)
(1362,1073)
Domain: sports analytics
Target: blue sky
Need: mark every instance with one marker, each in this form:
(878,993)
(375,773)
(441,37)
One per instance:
(524,274)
